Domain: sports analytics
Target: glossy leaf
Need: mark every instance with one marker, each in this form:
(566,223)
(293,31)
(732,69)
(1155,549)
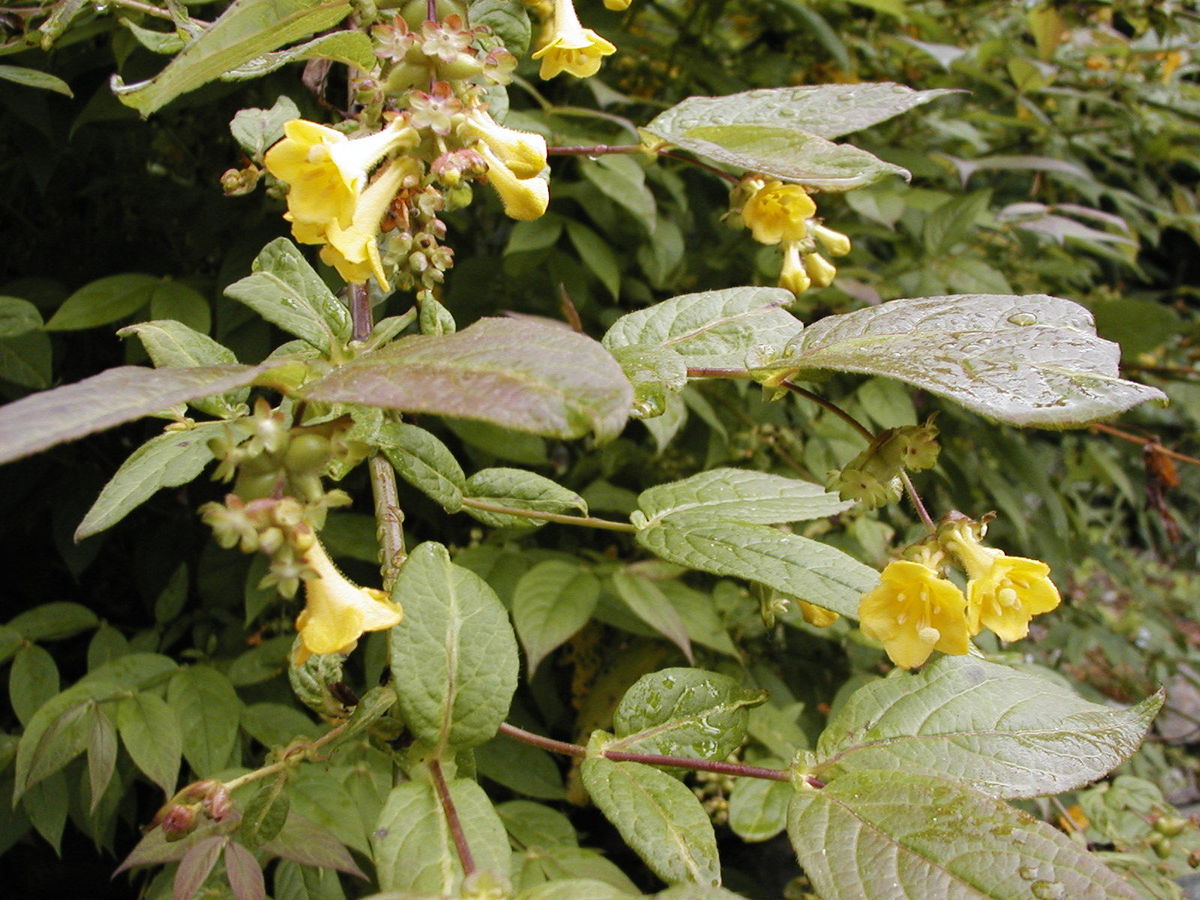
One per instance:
(168,460)
(659,818)
(1005,732)
(740,495)
(516,373)
(424,462)
(151,735)
(285,291)
(887,835)
(414,850)
(522,490)
(118,395)
(713,329)
(245,30)
(795,566)
(455,652)
(207,709)
(683,712)
(1024,360)
(552,601)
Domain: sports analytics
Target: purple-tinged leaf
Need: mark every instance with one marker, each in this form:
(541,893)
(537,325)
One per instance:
(244,872)
(307,843)
(195,867)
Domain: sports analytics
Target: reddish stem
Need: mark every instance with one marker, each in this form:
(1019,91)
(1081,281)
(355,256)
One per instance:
(528,737)
(456,830)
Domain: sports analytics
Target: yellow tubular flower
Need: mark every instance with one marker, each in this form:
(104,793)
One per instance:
(779,212)
(338,611)
(1004,592)
(794,275)
(913,612)
(817,616)
(326,172)
(617,5)
(522,152)
(353,250)
(819,269)
(571,47)
(523,198)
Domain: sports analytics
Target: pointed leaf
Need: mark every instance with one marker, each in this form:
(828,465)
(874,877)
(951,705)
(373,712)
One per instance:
(713,329)
(1004,732)
(32,680)
(414,850)
(648,602)
(1025,360)
(18,316)
(758,807)
(46,804)
(888,835)
(101,754)
(827,110)
(516,373)
(309,844)
(741,495)
(659,818)
(552,601)
(152,737)
(455,652)
(103,301)
(244,873)
(353,48)
(286,291)
(522,490)
(424,462)
(169,460)
(207,709)
(67,413)
(57,733)
(794,565)
(53,621)
(245,30)
(196,866)
(172,344)
(35,79)
(683,712)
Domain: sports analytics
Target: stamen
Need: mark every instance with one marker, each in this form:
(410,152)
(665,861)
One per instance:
(1009,597)
(929,635)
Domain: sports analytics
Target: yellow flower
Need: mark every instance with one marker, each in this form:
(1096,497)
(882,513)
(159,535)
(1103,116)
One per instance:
(617,5)
(819,269)
(326,172)
(338,611)
(794,275)
(913,612)
(571,47)
(523,198)
(779,212)
(523,152)
(1003,592)
(817,616)
(353,250)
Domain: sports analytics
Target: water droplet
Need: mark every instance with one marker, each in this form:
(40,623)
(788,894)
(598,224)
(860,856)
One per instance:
(1048,890)
(1027,872)
(1023,318)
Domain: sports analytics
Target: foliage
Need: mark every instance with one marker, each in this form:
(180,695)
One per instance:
(506,272)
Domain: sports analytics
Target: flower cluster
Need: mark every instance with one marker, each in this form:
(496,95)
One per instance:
(567,46)
(784,214)
(916,610)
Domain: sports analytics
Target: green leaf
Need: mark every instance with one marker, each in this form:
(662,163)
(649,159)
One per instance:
(33,78)
(683,712)
(167,43)
(285,291)
(265,814)
(952,222)
(26,359)
(169,460)
(794,565)
(508,20)
(103,301)
(536,825)
(171,344)
(56,733)
(659,818)
(1024,360)
(151,735)
(713,329)
(574,888)
(11,641)
(758,807)
(119,395)
(207,709)
(698,612)
(101,754)
(133,671)
(520,767)
(413,847)
(46,804)
(53,621)
(586,871)
(352,48)
(1002,731)
(648,602)
(277,725)
(18,316)
(826,110)
(455,652)
(424,462)
(623,180)
(888,835)
(257,129)
(741,495)
(32,681)
(517,373)
(245,30)
(552,601)
(522,490)
(179,302)
(597,256)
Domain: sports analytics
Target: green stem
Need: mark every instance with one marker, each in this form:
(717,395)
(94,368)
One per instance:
(389,518)
(293,755)
(918,504)
(582,521)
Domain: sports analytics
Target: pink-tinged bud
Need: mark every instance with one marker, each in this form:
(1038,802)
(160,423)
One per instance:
(218,804)
(179,822)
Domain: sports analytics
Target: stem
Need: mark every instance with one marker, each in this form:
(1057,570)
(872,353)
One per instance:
(594,150)
(456,830)
(1185,371)
(528,737)
(360,312)
(389,518)
(702,372)
(1134,439)
(431,10)
(699,765)
(146,8)
(833,408)
(290,758)
(700,164)
(922,512)
(582,521)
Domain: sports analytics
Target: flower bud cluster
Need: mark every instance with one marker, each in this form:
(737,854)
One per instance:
(873,477)
(190,807)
